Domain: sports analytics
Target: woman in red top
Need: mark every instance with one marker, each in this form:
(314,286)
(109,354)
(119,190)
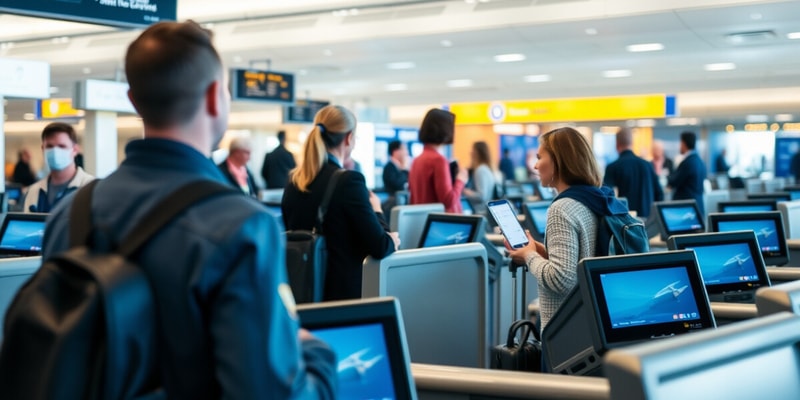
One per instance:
(429,180)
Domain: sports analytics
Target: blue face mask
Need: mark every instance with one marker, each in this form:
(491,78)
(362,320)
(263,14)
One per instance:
(57,158)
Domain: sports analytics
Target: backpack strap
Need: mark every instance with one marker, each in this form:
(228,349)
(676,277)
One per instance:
(326,198)
(155,219)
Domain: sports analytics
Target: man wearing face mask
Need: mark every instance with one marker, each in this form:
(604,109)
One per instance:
(60,145)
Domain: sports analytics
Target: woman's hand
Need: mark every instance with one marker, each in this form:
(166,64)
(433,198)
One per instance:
(520,255)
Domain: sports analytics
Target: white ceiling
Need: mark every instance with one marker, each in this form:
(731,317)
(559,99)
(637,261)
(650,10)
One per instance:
(344,58)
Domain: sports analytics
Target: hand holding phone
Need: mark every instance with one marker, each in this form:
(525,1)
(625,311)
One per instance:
(509,224)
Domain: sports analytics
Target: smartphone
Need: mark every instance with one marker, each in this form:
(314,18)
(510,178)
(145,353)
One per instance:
(509,224)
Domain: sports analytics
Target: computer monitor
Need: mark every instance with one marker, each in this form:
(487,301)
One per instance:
(794,192)
(14,272)
(369,340)
(778,298)
(621,300)
(409,220)
(678,218)
(514,190)
(746,206)
(21,234)
(536,218)
(445,229)
(466,207)
(777,196)
(768,226)
(730,262)
(528,188)
(382,195)
(753,359)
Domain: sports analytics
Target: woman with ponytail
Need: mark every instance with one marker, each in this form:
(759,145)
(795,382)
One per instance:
(354,226)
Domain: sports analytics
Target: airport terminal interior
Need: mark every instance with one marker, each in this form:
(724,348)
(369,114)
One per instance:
(712,310)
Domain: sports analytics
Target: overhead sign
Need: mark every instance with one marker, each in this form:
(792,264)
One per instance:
(98,95)
(24,79)
(565,110)
(259,85)
(303,111)
(122,13)
(56,108)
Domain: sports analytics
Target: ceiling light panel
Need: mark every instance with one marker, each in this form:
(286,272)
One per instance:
(512,57)
(644,47)
(719,67)
(617,73)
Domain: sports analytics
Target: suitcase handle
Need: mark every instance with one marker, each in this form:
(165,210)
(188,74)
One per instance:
(516,326)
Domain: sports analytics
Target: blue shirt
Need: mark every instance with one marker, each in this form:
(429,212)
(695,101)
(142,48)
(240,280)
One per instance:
(224,329)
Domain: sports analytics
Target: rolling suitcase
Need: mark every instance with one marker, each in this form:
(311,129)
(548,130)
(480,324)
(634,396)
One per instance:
(525,353)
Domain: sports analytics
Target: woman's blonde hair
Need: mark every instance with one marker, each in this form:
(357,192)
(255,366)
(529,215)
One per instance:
(331,126)
(573,160)
(482,154)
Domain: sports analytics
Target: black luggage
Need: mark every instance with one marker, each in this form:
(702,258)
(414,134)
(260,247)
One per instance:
(524,354)
(307,256)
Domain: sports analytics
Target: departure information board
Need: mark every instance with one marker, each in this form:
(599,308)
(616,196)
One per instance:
(303,111)
(259,85)
(122,13)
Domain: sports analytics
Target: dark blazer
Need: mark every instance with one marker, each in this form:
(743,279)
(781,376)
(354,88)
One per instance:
(251,183)
(394,179)
(352,229)
(635,180)
(687,180)
(276,167)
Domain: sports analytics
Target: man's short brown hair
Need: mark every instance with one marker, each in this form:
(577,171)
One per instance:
(54,128)
(169,68)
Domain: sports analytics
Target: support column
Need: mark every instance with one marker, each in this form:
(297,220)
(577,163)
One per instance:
(100,143)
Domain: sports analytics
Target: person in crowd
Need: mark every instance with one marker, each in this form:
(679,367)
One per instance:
(235,166)
(395,174)
(661,163)
(721,163)
(23,173)
(483,182)
(277,164)
(566,163)
(530,164)
(687,180)
(429,179)
(59,145)
(634,177)
(226,317)
(354,226)
(507,166)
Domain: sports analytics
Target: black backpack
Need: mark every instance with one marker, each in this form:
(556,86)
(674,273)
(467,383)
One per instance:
(84,326)
(621,234)
(306,254)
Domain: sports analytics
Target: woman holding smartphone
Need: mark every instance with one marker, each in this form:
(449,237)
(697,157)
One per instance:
(566,163)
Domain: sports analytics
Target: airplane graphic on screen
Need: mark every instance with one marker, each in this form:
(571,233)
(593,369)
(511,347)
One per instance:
(354,367)
(765,232)
(689,216)
(670,289)
(737,260)
(457,237)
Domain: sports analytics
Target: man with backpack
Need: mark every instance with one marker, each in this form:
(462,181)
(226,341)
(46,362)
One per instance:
(225,320)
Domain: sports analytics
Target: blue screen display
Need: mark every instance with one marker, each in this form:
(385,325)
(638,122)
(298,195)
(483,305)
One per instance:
(726,263)
(765,230)
(466,207)
(646,297)
(363,363)
(748,208)
(794,194)
(680,219)
(23,235)
(442,233)
(14,194)
(539,215)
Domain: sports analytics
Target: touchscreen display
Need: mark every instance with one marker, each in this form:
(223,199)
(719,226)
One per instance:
(765,230)
(681,219)
(363,363)
(23,235)
(539,215)
(647,297)
(441,233)
(726,263)
(508,223)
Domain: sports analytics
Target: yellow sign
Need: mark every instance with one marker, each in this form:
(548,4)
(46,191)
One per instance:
(58,108)
(565,110)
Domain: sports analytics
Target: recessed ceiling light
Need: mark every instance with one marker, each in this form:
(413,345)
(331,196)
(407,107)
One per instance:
(459,83)
(396,87)
(784,117)
(87,70)
(511,57)
(446,43)
(60,39)
(53,89)
(790,35)
(617,73)
(401,65)
(591,31)
(302,72)
(237,59)
(642,47)
(6,45)
(537,78)
(719,67)
(327,52)
(28,116)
